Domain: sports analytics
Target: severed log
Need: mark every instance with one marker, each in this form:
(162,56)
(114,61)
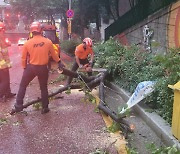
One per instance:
(97,80)
(52,94)
(76,75)
(90,85)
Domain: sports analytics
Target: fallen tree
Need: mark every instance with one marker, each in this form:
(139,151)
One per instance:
(90,83)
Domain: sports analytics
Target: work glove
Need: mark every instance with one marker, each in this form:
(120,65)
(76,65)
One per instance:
(80,66)
(90,63)
(61,65)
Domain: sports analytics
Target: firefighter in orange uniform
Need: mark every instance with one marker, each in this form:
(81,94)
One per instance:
(82,52)
(5,64)
(37,50)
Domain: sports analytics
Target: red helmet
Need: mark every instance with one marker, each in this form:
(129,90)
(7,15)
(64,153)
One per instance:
(35,27)
(2,26)
(88,41)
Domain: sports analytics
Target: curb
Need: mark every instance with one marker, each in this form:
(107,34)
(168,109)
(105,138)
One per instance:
(120,143)
(153,120)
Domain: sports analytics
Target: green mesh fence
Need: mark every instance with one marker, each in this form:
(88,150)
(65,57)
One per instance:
(135,15)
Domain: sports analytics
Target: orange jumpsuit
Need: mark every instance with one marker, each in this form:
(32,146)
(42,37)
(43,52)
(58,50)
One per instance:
(35,56)
(82,54)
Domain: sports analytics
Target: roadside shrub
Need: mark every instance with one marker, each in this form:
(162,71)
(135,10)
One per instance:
(128,66)
(69,46)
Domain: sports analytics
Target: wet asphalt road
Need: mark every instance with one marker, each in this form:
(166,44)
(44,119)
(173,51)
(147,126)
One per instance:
(71,127)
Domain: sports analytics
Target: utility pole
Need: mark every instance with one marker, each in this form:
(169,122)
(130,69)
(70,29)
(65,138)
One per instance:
(69,21)
(69,4)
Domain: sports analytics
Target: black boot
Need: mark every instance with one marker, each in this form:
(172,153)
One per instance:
(16,109)
(45,110)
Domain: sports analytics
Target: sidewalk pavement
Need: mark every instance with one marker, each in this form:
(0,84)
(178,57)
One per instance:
(71,127)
